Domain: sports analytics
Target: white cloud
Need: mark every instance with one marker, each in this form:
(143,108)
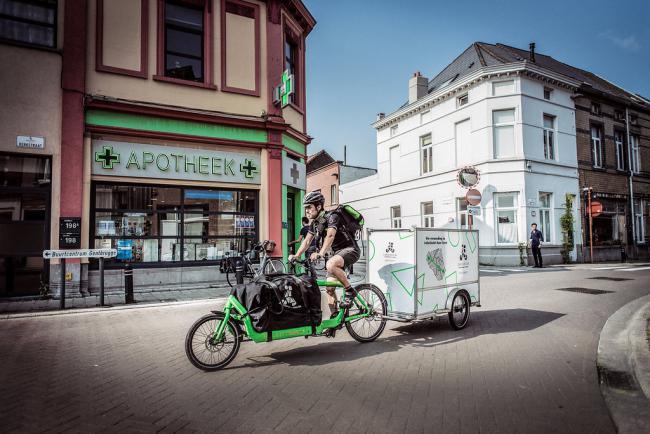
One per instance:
(628,43)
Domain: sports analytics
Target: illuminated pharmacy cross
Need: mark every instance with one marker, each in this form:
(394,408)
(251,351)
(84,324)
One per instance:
(248,169)
(107,157)
(295,175)
(286,88)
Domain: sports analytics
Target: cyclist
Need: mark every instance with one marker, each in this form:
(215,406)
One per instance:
(331,227)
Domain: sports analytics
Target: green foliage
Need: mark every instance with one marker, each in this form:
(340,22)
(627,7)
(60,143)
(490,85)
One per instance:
(523,254)
(566,224)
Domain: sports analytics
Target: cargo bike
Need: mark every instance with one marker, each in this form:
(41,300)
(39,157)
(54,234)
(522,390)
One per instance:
(281,306)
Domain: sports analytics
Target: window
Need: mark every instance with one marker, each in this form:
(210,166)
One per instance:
(426,150)
(504,133)
(291,63)
(595,109)
(426,209)
(633,119)
(545,207)
(547,93)
(636,157)
(184,41)
(462,100)
(461,213)
(596,146)
(618,115)
(163,224)
(394,164)
(334,195)
(425,117)
(639,228)
(393,130)
(32,22)
(549,139)
(503,87)
(620,154)
(395,217)
(609,227)
(506,216)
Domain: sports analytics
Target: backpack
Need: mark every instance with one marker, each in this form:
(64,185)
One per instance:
(353,220)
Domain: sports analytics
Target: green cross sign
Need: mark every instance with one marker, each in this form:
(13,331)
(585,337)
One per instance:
(248,169)
(286,88)
(107,157)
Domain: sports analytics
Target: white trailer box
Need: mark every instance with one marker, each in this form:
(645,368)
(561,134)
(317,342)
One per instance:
(420,270)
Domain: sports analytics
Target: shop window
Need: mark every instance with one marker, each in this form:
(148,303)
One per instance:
(620,153)
(426,209)
(609,226)
(506,216)
(461,213)
(163,224)
(395,217)
(545,215)
(549,137)
(426,150)
(504,133)
(596,146)
(29,22)
(636,157)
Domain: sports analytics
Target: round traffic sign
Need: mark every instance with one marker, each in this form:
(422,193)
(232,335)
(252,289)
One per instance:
(473,197)
(596,209)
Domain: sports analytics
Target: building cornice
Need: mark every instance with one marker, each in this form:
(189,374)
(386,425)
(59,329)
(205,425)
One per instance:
(499,71)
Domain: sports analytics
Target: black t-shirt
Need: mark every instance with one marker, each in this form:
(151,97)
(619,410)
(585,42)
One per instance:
(332,220)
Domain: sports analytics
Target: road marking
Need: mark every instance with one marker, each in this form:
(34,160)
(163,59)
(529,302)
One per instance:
(490,271)
(635,269)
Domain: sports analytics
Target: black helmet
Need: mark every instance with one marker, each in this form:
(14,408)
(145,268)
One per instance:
(314,198)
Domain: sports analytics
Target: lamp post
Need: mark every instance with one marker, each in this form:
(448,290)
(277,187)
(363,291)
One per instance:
(591,233)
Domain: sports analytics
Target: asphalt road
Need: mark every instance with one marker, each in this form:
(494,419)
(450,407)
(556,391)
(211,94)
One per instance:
(525,363)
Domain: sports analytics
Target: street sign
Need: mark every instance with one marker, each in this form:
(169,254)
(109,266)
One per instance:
(473,197)
(30,142)
(596,208)
(473,210)
(79,253)
(468,177)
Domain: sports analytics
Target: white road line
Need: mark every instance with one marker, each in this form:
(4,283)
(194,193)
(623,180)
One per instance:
(514,269)
(490,271)
(635,269)
(608,268)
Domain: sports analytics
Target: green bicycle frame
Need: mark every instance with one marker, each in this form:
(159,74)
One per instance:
(235,310)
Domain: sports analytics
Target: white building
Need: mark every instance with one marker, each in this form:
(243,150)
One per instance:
(513,121)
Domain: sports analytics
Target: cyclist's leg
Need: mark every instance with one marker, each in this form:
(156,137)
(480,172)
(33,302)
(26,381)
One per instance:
(348,256)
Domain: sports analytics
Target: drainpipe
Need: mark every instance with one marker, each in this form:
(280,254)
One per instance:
(629,162)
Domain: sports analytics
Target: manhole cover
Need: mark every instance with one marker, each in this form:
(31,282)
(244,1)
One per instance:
(613,279)
(585,290)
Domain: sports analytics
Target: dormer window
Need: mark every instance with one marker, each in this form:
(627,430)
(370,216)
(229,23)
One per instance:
(547,93)
(393,130)
(462,100)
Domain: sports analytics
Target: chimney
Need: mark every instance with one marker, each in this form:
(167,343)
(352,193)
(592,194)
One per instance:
(381,116)
(532,51)
(417,87)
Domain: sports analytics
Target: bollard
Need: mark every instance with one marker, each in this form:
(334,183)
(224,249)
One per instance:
(623,254)
(239,270)
(101,281)
(128,284)
(62,302)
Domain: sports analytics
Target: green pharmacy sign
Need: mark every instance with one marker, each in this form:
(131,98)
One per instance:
(166,162)
(285,90)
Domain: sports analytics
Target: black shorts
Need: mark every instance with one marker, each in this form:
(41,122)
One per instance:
(350,255)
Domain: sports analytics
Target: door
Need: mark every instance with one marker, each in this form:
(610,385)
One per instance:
(291,219)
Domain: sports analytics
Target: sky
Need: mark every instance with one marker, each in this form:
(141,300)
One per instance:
(361,53)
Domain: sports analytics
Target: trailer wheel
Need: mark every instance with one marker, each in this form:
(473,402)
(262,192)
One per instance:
(459,315)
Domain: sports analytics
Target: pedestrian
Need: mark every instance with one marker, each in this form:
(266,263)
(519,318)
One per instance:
(536,238)
(303,233)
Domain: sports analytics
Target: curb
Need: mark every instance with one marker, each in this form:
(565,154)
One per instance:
(109,309)
(617,365)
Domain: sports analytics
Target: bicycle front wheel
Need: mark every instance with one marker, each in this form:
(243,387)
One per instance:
(204,351)
(274,266)
(369,328)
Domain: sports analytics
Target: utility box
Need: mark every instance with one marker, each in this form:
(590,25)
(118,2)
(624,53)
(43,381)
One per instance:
(422,270)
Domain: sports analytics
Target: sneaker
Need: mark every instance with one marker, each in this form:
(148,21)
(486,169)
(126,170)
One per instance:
(347,300)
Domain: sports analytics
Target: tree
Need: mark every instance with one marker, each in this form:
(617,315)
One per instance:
(566,223)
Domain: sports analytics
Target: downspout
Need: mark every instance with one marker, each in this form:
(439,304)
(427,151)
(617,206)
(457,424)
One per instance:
(631,187)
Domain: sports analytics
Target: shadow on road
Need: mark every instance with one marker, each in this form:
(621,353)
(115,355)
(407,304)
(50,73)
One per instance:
(426,333)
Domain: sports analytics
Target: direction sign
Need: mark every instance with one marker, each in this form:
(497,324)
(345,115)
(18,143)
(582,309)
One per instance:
(474,210)
(473,197)
(79,253)
(596,208)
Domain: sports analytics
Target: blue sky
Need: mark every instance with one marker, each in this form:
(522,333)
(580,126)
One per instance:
(362,52)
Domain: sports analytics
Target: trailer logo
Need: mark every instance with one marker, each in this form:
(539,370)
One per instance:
(390,251)
(436,261)
(463,262)
(463,253)
(390,248)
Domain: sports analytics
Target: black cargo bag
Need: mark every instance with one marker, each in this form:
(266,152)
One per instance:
(281,301)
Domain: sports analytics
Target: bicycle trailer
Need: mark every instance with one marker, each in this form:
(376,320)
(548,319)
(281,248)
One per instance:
(425,272)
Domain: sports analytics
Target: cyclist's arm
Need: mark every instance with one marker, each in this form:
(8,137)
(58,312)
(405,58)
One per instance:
(305,244)
(327,242)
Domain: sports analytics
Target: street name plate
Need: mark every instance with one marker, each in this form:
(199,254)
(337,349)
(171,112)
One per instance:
(80,253)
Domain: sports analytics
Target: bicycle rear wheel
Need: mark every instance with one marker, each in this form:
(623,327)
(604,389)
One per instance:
(369,328)
(274,266)
(206,353)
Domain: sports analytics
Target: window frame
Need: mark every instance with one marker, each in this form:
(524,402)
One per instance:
(596,145)
(462,100)
(547,232)
(292,31)
(54,26)
(496,126)
(513,208)
(635,157)
(334,197)
(620,149)
(547,91)
(639,226)
(396,221)
(394,129)
(427,220)
(426,152)
(596,109)
(549,135)
(208,41)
